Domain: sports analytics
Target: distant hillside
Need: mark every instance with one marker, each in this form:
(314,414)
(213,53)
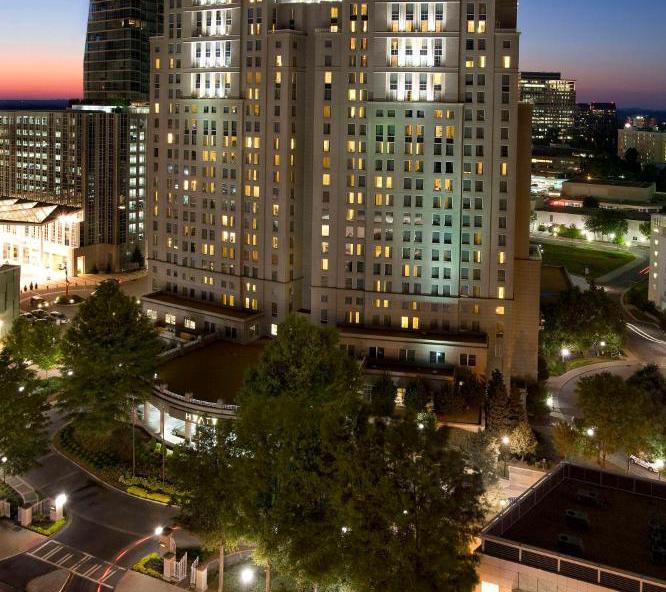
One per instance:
(33,104)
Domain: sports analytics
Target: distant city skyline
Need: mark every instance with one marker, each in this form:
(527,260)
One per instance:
(613,50)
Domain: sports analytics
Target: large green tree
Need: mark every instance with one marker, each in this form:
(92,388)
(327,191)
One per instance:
(382,396)
(298,410)
(603,221)
(110,353)
(582,320)
(619,414)
(410,511)
(205,474)
(499,421)
(39,342)
(23,419)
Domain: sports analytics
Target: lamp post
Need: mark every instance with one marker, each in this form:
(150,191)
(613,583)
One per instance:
(63,267)
(59,508)
(659,465)
(3,460)
(565,352)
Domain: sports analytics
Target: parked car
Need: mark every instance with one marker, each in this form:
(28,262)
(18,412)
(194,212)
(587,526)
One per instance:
(654,465)
(59,317)
(28,316)
(39,313)
(38,302)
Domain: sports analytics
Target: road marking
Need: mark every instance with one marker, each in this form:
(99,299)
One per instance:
(84,565)
(644,334)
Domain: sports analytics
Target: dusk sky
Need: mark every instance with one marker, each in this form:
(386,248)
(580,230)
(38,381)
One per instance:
(616,49)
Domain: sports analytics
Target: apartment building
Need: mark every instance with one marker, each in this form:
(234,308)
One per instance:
(117,55)
(92,159)
(648,142)
(554,100)
(364,164)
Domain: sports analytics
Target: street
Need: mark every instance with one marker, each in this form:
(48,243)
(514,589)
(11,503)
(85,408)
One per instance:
(645,344)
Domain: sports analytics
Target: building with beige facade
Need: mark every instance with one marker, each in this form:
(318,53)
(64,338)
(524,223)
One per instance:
(657,285)
(649,143)
(366,164)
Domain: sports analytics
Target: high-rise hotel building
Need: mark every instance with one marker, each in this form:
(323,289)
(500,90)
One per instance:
(363,163)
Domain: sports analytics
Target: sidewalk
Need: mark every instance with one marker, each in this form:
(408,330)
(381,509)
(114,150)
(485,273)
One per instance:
(15,540)
(639,263)
(556,383)
(133,581)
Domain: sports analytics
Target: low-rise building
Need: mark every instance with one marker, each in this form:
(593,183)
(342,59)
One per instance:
(609,190)
(10,292)
(578,529)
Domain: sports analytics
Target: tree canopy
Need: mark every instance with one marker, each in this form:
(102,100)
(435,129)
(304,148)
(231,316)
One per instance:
(39,342)
(603,221)
(328,491)
(581,321)
(23,420)
(110,354)
(619,414)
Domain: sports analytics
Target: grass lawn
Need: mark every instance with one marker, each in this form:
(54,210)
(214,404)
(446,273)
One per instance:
(576,259)
(42,525)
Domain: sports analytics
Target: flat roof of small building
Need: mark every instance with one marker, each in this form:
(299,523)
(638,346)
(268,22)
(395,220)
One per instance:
(213,372)
(196,305)
(612,182)
(620,511)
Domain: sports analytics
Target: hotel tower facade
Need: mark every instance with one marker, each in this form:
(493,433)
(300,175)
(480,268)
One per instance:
(362,163)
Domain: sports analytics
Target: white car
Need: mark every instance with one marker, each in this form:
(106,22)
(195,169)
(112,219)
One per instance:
(59,317)
(656,466)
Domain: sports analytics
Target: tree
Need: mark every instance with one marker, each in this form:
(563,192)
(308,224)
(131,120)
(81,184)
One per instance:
(608,222)
(523,441)
(297,412)
(566,439)
(110,353)
(481,452)
(23,420)
(581,321)
(411,511)
(498,406)
(205,474)
(619,414)
(383,393)
(417,395)
(646,229)
(39,343)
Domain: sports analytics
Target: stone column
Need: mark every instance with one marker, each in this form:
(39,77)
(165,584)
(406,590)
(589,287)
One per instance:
(201,578)
(188,430)
(25,515)
(169,566)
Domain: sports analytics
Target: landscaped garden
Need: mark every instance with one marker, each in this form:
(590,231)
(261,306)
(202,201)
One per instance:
(579,259)
(110,459)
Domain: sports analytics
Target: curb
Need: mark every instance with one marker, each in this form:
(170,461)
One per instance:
(110,485)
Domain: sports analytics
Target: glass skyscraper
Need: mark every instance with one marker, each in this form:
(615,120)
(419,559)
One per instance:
(117,55)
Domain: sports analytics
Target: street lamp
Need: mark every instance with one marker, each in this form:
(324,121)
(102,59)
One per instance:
(659,465)
(590,432)
(58,510)
(159,530)
(565,352)
(3,460)
(247,576)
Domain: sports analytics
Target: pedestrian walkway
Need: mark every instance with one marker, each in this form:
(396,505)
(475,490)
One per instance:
(77,562)
(639,263)
(555,383)
(15,540)
(133,581)
(23,488)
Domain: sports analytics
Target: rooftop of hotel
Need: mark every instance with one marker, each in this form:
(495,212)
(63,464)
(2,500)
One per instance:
(32,212)
(611,518)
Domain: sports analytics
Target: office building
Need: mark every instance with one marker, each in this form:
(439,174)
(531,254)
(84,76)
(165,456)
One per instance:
(648,142)
(89,159)
(554,100)
(596,126)
(364,164)
(578,529)
(10,294)
(117,55)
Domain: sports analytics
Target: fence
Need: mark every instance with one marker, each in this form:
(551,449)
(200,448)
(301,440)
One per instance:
(193,572)
(180,572)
